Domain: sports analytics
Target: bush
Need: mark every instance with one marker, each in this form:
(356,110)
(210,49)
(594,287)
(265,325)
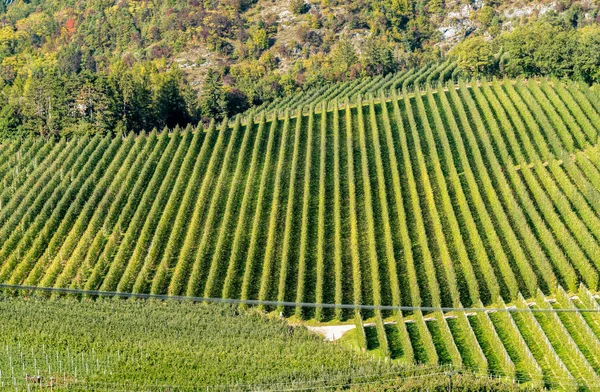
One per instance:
(298,7)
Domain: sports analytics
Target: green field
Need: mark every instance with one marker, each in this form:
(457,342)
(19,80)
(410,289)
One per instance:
(473,195)
(168,346)
(122,344)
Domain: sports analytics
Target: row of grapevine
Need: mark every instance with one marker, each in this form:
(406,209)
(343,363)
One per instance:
(489,338)
(535,146)
(215,208)
(83,221)
(14,250)
(186,209)
(183,260)
(542,349)
(536,105)
(443,245)
(29,157)
(563,191)
(354,252)
(291,213)
(502,263)
(448,209)
(523,267)
(430,277)
(38,190)
(520,353)
(413,296)
(236,249)
(76,209)
(472,349)
(320,265)
(100,217)
(569,245)
(306,198)
(519,341)
(106,241)
(11,153)
(489,282)
(232,201)
(545,271)
(262,207)
(337,213)
(563,341)
(127,245)
(158,207)
(15,155)
(372,245)
(511,172)
(579,329)
(168,217)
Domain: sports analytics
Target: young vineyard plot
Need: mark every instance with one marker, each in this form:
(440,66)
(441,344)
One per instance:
(353,90)
(473,195)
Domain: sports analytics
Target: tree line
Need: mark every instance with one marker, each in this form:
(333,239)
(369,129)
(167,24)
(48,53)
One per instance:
(556,45)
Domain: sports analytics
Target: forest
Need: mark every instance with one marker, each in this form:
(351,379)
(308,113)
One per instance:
(109,67)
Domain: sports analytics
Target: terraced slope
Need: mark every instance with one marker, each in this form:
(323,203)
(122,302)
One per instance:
(461,195)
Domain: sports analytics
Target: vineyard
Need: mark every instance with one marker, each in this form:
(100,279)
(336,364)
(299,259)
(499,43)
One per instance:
(82,344)
(412,78)
(478,194)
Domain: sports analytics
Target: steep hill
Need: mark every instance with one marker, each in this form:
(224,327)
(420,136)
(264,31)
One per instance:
(474,195)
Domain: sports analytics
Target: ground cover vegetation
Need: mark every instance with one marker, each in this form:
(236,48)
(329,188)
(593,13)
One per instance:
(157,346)
(469,194)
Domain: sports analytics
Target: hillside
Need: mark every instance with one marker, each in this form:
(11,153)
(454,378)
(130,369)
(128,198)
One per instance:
(76,67)
(292,195)
(462,176)
(480,194)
